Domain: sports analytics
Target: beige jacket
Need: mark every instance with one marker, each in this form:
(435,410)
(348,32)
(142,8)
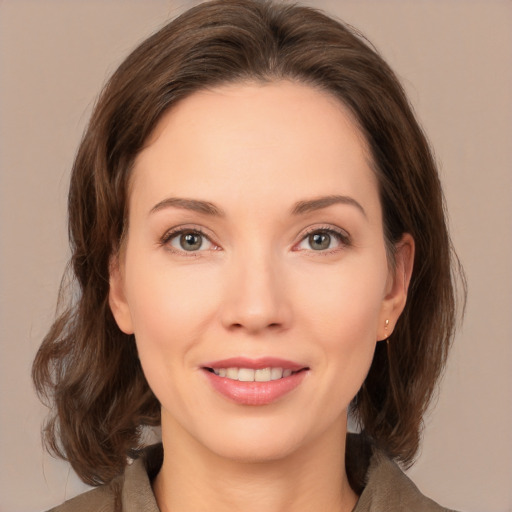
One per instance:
(385,488)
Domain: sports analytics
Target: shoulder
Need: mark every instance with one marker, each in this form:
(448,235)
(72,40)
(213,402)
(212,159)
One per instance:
(129,492)
(102,499)
(382,486)
(389,489)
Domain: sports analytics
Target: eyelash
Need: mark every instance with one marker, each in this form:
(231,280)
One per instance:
(175,232)
(341,236)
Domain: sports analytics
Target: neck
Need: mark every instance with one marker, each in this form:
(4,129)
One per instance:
(193,478)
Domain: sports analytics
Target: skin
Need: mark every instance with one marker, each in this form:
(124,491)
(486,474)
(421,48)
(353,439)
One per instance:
(257,287)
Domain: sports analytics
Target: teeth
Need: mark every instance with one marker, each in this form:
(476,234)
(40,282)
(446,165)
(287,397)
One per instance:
(232,373)
(250,375)
(262,375)
(276,373)
(246,375)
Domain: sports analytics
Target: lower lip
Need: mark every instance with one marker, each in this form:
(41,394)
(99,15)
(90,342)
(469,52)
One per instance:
(255,393)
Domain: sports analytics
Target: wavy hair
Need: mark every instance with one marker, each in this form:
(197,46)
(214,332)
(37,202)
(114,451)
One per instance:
(88,370)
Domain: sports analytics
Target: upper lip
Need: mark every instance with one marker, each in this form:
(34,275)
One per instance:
(255,364)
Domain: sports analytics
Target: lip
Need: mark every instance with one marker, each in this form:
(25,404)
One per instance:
(255,393)
(255,364)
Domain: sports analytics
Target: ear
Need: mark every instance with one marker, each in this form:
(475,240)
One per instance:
(116,297)
(396,287)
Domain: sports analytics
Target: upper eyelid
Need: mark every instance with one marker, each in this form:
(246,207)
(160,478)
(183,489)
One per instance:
(185,228)
(193,228)
(327,228)
(171,233)
(174,232)
(344,238)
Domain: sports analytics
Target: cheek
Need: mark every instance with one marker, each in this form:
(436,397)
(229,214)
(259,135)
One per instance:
(167,303)
(341,312)
(170,310)
(343,302)
(169,307)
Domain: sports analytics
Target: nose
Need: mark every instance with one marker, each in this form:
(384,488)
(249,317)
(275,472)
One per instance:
(255,296)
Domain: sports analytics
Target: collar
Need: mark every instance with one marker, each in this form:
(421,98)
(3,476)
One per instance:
(378,480)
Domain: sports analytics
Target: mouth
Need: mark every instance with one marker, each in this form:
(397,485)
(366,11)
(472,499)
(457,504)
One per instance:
(254,375)
(254,382)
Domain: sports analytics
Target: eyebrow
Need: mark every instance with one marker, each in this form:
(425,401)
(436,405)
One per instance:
(195,205)
(300,208)
(319,203)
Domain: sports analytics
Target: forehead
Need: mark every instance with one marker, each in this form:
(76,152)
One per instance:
(243,139)
(244,106)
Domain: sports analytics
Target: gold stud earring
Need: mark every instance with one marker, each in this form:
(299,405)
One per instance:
(386,324)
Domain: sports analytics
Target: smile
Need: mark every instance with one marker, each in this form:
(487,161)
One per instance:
(254,382)
(252,375)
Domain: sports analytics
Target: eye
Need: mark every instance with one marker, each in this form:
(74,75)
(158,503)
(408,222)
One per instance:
(188,240)
(323,240)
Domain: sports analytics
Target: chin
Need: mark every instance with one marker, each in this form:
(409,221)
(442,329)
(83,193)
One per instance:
(253,451)
(257,440)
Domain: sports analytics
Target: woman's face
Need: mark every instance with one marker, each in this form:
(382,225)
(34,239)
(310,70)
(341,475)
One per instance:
(254,274)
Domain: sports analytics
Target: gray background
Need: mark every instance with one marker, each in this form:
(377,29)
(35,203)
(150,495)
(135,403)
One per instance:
(454,58)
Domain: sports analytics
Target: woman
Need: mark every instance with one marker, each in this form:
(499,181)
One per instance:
(258,234)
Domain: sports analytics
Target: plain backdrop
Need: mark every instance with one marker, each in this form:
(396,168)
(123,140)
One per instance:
(454,58)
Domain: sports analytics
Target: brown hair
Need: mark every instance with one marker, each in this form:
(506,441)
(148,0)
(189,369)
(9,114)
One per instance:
(89,369)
